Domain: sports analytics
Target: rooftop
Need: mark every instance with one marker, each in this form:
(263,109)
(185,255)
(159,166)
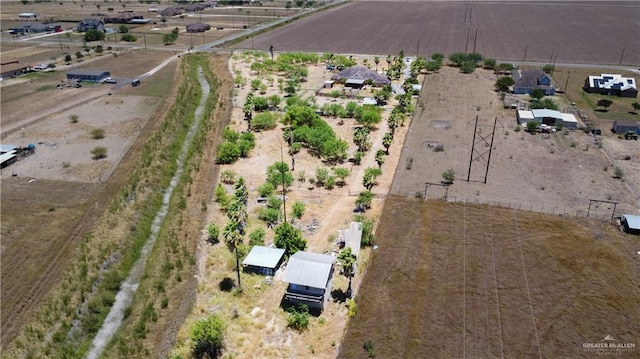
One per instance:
(633,221)
(265,257)
(309,269)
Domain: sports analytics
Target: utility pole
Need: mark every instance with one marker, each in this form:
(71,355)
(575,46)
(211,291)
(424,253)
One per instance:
(418,49)
(566,84)
(284,192)
(620,63)
(525,52)
(475,39)
(144,36)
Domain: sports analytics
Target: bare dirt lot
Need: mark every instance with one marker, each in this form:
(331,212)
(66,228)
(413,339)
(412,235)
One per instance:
(456,280)
(505,30)
(59,191)
(554,173)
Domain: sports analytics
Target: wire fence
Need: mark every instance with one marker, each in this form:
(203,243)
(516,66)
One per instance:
(597,211)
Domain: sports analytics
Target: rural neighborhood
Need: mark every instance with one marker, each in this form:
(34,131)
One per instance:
(242,179)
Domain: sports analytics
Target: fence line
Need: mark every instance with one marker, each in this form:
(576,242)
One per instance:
(529,207)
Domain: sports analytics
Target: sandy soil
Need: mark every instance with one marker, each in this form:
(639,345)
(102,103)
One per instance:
(557,173)
(63,148)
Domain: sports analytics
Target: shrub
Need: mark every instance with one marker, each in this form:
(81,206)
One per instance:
(298,317)
(369,348)
(353,308)
(617,172)
(266,190)
(212,233)
(128,38)
(322,174)
(264,121)
(228,152)
(99,153)
(73,118)
(97,133)
(367,229)
(256,238)
(228,177)
(207,337)
(298,209)
(448,176)
(532,126)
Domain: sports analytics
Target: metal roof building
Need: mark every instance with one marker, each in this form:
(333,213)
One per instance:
(309,277)
(88,75)
(264,260)
(309,269)
(631,223)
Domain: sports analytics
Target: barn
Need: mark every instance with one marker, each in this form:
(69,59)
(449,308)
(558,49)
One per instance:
(88,75)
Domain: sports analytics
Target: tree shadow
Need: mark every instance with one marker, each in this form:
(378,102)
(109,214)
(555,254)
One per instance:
(338,295)
(601,110)
(227,284)
(285,305)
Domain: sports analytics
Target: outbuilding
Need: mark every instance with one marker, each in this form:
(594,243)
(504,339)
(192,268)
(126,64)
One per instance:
(626,126)
(263,260)
(198,27)
(309,276)
(630,223)
(11,67)
(569,121)
(351,238)
(8,158)
(27,16)
(88,75)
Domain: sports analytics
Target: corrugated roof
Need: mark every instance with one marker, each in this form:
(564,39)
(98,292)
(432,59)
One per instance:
(7,148)
(545,112)
(88,72)
(6,156)
(361,72)
(569,117)
(265,257)
(633,221)
(309,269)
(354,237)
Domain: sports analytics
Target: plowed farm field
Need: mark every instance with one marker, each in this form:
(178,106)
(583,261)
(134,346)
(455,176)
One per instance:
(460,280)
(585,32)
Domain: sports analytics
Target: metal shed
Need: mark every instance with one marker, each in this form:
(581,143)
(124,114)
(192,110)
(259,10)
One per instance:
(263,260)
(309,277)
(624,126)
(88,75)
(630,223)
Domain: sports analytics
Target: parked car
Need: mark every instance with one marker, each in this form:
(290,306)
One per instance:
(109,80)
(135,82)
(41,67)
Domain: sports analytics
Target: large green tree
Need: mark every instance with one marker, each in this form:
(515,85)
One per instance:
(279,175)
(503,83)
(289,238)
(605,103)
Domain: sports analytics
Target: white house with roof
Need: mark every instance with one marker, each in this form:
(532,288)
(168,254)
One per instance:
(547,117)
(263,260)
(611,84)
(309,276)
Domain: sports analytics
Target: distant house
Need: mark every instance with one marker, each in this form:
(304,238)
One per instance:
(547,117)
(309,276)
(528,80)
(611,84)
(35,27)
(11,67)
(90,24)
(88,75)
(626,126)
(263,260)
(194,7)
(27,16)
(198,27)
(171,11)
(122,18)
(354,83)
(355,73)
(630,223)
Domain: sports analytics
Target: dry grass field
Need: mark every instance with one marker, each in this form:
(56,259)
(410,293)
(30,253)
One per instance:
(48,208)
(455,280)
(568,31)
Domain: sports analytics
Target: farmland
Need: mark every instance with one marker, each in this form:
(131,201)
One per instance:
(456,280)
(511,31)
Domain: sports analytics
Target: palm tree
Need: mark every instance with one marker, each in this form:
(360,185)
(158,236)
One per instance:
(361,138)
(376,60)
(242,194)
(392,122)
(386,141)
(380,158)
(347,262)
(233,238)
